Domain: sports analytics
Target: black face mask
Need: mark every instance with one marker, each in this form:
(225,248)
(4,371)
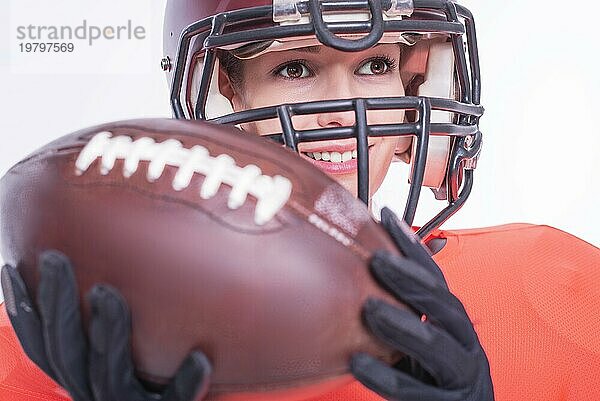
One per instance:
(253,29)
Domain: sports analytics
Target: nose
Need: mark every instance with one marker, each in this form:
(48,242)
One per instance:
(338,87)
(336,119)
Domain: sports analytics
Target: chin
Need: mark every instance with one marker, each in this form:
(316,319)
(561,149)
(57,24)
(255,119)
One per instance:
(351,184)
(348,181)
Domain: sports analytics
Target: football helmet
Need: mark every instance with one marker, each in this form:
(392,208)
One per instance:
(441,103)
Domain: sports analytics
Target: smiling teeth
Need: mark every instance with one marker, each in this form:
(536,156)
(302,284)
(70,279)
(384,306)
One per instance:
(335,157)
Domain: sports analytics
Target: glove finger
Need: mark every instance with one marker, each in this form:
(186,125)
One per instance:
(192,379)
(395,385)
(437,352)
(399,267)
(24,318)
(409,244)
(420,290)
(58,303)
(111,366)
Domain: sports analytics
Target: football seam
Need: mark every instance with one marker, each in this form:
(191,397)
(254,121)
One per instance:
(136,131)
(271,196)
(270,192)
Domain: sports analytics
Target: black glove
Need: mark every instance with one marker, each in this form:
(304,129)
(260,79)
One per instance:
(101,369)
(445,361)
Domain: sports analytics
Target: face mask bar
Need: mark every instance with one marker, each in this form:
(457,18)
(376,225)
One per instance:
(463,161)
(466,150)
(325,36)
(429,17)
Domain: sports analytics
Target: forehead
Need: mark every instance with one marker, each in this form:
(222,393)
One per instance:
(327,53)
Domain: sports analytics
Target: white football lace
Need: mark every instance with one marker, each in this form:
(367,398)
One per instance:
(271,193)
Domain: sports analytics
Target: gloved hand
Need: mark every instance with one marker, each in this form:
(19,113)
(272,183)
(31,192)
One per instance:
(445,361)
(98,368)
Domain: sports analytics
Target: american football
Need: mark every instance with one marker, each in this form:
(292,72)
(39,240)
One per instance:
(218,240)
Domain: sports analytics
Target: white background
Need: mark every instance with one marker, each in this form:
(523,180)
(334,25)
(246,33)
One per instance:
(540,70)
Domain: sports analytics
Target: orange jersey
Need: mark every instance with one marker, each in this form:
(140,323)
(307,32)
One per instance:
(532,292)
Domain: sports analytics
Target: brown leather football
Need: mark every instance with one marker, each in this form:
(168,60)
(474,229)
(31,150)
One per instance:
(218,240)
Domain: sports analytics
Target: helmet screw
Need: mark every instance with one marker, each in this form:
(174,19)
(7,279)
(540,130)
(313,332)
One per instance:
(165,63)
(469,141)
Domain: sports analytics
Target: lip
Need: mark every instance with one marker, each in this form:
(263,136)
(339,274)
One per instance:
(349,167)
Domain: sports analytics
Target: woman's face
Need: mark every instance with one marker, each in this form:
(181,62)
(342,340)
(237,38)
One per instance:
(321,73)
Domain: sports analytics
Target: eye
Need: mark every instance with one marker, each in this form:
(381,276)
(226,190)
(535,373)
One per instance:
(294,70)
(376,66)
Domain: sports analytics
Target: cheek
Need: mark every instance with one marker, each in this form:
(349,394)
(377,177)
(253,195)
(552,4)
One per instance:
(304,122)
(263,127)
(257,94)
(381,156)
(252,98)
(390,117)
(385,116)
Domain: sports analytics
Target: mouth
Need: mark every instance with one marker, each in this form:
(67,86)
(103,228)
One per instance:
(333,157)
(332,162)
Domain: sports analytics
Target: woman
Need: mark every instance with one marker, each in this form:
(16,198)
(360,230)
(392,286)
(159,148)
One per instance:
(520,283)
(293,86)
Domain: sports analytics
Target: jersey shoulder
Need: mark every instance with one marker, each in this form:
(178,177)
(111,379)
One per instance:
(555,274)
(20,379)
(531,244)
(533,293)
